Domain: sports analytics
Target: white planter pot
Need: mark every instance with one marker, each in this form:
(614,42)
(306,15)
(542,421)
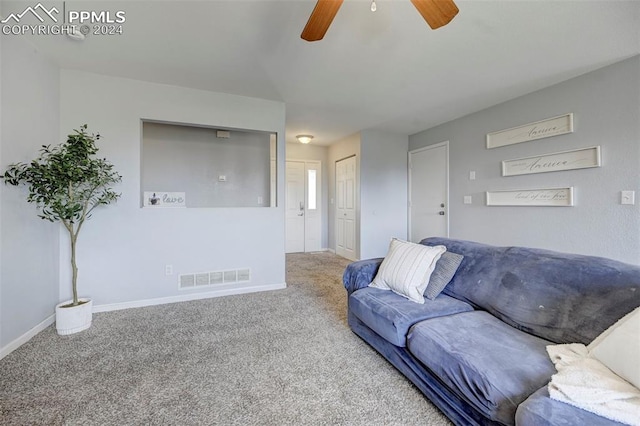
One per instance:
(73,319)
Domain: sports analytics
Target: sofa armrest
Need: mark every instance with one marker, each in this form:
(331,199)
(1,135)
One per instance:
(360,274)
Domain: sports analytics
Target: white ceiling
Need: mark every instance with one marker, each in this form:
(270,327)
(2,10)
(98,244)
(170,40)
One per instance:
(385,70)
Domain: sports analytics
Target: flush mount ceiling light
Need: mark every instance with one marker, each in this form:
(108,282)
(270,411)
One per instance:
(305,139)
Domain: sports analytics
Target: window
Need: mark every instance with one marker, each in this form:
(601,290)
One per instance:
(311,190)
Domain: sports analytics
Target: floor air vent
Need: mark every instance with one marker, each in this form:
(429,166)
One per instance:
(203,279)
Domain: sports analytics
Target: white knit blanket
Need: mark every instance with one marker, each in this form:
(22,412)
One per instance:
(586,383)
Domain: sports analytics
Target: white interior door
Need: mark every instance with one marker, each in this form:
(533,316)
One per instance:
(346,208)
(294,202)
(428,192)
(304,206)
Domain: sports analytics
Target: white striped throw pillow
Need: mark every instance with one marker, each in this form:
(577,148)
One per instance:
(407,268)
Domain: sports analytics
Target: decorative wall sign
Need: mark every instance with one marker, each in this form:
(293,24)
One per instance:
(558,161)
(529,132)
(554,197)
(164,199)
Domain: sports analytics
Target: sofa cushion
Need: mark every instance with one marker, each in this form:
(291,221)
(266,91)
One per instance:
(485,361)
(406,269)
(359,274)
(540,410)
(445,270)
(561,297)
(391,315)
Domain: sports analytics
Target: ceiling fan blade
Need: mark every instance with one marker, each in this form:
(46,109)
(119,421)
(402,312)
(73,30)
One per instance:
(437,13)
(320,19)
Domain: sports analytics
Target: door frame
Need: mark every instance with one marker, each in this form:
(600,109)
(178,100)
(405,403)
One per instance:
(409,186)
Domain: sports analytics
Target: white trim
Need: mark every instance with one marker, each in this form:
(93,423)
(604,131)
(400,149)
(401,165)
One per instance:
(330,250)
(409,166)
(12,346)
(187,297)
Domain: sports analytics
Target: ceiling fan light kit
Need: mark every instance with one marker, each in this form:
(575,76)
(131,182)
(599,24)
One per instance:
(437,13)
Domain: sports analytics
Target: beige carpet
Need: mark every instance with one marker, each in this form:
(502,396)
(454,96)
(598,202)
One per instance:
(284,357)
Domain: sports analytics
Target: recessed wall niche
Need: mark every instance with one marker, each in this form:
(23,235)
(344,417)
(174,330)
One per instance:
(192,166)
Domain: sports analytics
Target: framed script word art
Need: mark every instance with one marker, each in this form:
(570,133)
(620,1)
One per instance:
(540,129)
(558,161)
(158,199)
(548,197)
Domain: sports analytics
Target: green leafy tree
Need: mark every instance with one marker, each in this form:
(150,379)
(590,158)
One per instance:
(67,182)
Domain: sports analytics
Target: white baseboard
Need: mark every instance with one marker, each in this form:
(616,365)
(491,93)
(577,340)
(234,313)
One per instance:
(186,297)
(139,304)
(330,250)
(27,336)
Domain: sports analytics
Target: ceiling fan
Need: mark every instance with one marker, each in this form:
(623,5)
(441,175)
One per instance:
(437,13)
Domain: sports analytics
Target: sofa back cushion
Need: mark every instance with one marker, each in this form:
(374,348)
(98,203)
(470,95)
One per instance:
(561,297)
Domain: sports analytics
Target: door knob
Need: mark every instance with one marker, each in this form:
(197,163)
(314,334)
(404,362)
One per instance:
(441,213)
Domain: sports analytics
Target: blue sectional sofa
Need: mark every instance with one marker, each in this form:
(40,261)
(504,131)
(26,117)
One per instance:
(478,350)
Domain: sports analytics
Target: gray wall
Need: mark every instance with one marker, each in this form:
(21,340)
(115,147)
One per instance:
(189,159)
(383,191)
(606,107)
(125,249)
(309,152)
(29,249)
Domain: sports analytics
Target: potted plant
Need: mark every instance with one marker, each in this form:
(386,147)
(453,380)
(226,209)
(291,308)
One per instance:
(67,182)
